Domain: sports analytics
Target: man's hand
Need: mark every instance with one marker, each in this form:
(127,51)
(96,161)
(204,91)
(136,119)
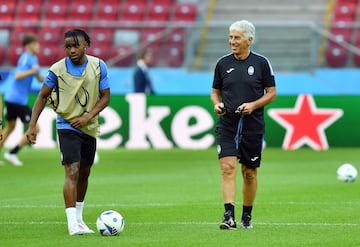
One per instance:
(80,122)
(31,135)
(35,69)
(246,108)
(219,109)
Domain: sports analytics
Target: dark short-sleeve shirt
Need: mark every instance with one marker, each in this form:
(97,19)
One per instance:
(242,81)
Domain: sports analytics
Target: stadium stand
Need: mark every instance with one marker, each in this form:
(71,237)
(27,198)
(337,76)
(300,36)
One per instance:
(117,27)
(7,12)
(283,32)
(121,28)
(341,26)
(107,10)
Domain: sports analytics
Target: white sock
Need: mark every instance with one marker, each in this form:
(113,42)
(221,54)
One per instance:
(71,217)
(79,211)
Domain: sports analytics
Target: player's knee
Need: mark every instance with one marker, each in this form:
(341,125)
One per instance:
(249,175)
(228,169)
(72,172)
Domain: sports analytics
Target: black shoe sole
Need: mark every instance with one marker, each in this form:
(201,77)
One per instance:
(224,226)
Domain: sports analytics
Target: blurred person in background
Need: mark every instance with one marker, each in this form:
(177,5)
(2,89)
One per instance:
(77,89)
(142,81)
(16,97)
(243,85)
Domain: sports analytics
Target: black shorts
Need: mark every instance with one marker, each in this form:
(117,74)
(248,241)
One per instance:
(14,111)
(75,147)
(248,151)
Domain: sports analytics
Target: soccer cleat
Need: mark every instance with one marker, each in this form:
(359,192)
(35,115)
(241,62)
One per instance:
(13,159)
(228,222)
(246,221)
(84,228)
(75,231)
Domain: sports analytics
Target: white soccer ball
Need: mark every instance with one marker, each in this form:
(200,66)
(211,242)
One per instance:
(347,173)
(110,223)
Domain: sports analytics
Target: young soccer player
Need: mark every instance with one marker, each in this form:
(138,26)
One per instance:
(16,97)
(77,88)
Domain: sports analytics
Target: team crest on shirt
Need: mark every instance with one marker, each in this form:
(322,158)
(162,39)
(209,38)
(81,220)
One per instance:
(251,70)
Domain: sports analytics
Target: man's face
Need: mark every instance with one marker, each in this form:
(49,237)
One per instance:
(238,42)
(75,49)
(34,47)
(148,58)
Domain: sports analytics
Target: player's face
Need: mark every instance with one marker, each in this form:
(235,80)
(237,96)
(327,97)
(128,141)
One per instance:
(75,49)
(238,42)
(34,47)
(148,58)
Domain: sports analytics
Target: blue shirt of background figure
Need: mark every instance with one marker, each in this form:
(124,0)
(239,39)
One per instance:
(18,92)
(76,70)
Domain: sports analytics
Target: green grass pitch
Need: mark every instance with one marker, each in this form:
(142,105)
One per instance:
(173,198)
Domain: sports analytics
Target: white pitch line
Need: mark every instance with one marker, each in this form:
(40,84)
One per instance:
(174,204)
(314,224)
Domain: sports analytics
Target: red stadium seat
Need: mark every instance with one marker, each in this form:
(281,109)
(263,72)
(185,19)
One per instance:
(133,12)
(50,36)
(158,12)
(356,60)
(7,13)
(174,55)
(152,36)
(16,51)
(342,28)
(347,1)
(100,51)
(81,11)
(108,10)
(49,54)
(341,35)
(56,11)
(137,2)
(124,53)
(103,36)
(29,11)
(336,56)
(345,11)
(185,12)
(176,36)
(163,2)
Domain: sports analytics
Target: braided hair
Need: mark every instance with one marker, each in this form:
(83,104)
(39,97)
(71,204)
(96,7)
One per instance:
(74,33)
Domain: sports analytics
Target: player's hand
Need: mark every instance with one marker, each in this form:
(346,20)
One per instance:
(35,69)
(31,135)
(245,108)
(220,109)
(80,122)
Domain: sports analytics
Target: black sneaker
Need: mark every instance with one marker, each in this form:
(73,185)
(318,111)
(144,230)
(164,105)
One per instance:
(228,223)
(246,221)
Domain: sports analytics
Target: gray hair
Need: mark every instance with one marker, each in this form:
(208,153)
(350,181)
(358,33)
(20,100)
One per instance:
(244,26)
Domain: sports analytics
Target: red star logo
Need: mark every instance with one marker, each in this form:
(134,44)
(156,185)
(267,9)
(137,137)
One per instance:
(305,124)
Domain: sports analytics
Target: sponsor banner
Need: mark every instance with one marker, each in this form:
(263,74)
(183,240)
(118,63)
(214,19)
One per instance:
(136,121)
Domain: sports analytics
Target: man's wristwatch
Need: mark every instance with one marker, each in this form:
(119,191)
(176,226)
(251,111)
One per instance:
(0,122)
